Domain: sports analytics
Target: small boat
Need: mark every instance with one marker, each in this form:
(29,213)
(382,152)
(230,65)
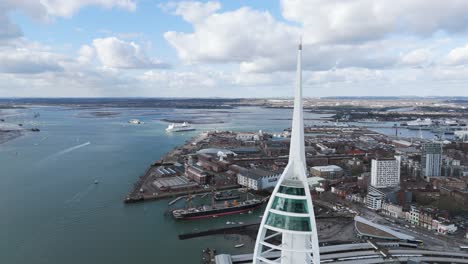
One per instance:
(224,196)
(239,245)
(96,182)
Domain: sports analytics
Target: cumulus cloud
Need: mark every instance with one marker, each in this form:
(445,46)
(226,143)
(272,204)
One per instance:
(237,35)
(115,53)
(345,33)
(44,10)
(70,7)
(350,47)
(335,21)
(26,60)
(417,57)
(192,11)
(457,56)
(258,41)
(86,54)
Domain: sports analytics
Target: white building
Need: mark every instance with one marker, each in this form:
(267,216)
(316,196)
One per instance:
(247,136)
(315,182)
(462,135)
(431,159)
(288,225)
(444,228)
(257,179)
(413,216)
(324,149)
(385,172)
(393,210)
(374,200)
(328,172)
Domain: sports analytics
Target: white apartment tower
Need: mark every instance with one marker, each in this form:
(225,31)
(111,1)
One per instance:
(431,159)
(288,224)
(385,172)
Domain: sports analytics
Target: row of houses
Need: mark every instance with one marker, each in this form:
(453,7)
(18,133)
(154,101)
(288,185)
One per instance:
(425,217)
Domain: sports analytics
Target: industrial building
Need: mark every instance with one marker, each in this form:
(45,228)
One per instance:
(330,172)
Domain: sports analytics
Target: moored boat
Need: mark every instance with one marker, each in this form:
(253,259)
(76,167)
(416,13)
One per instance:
(225,208)
(179,127)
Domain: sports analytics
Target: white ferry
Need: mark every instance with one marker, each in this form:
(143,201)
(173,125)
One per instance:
(135,121)
(179,127)
(419,123)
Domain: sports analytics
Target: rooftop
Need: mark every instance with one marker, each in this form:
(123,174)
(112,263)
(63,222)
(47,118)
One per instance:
(330,168)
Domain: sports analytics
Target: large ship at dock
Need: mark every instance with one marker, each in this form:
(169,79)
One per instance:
(220,209)
(424,124)
(179,127)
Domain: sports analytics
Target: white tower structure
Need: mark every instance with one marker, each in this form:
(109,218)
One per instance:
(288,224)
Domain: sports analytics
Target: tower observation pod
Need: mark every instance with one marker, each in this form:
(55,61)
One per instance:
(288,224)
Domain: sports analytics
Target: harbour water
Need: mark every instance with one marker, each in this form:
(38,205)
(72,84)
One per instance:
(53,212)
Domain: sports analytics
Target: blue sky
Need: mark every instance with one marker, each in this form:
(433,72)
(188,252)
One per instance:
(96,48)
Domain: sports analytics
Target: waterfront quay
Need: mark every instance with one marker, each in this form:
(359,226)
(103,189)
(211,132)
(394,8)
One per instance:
(339,164)
(223,160)
(201,165)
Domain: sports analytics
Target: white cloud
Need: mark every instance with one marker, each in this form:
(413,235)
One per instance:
(348,75)
(239,35)
(336,21)
(259,43)
(8,30)
(115,53)
(351,47)
(43,10)
(457,56)
(193,12)
(181,79)
(29,58)
(417,57)
(86,54)
(70,7)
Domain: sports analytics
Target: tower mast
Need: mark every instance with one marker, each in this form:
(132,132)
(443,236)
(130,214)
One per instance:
(288,224)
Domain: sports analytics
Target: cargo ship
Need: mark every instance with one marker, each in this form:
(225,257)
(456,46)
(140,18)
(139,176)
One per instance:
(213,210)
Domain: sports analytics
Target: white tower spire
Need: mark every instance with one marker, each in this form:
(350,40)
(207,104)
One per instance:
(288,224)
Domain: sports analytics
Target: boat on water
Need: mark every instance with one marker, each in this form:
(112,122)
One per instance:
(239,245)
(135,121)
(214,209)
(419,123)
(174,127)
(223,196)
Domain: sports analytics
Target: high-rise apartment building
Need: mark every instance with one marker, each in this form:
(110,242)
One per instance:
(385,172)
(431,159)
